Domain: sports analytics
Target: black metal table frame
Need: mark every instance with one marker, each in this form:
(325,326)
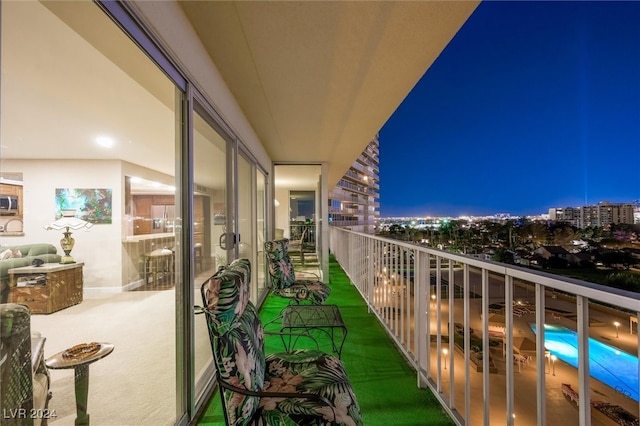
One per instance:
(307,318)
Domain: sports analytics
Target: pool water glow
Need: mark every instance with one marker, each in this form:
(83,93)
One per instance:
(615,368)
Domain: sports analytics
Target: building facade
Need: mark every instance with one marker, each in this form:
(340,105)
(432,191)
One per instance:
(355,202)
(598,215)
(570,215)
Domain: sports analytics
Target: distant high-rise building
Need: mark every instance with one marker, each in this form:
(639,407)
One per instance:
(570,215)
(606,213)
(601,214)
(354,202)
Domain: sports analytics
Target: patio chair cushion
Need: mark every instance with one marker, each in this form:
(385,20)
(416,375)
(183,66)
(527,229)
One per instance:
(237,341)
(310,371)
(227,300)
(238,349)
(24,378)
(283,278)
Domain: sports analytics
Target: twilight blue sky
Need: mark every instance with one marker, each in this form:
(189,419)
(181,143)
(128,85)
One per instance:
(532,105)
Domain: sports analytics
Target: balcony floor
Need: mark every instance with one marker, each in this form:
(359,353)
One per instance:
(384,383)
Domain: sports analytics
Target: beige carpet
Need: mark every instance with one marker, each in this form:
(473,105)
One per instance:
(135,384)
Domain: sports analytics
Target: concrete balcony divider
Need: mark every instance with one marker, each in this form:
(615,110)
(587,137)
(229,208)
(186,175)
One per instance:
(458,319)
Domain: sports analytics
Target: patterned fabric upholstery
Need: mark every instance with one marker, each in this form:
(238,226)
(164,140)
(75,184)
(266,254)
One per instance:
(283,277)
(22,385)
(237,340)
(16,386)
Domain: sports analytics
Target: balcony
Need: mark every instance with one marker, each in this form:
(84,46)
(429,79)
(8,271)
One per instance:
(381,377)
(485,342)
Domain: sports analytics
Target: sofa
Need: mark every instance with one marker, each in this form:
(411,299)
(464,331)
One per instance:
(23,255)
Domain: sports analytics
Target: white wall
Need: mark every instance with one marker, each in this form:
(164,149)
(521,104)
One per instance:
(282,211)
(99,247)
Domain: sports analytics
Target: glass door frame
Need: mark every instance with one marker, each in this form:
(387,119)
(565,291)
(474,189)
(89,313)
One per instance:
(202,107)
(322,228)
(123,15)
(188,402)
(255,168)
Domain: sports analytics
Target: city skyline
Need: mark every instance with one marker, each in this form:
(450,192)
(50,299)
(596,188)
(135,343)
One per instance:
(533,105)
(505,214)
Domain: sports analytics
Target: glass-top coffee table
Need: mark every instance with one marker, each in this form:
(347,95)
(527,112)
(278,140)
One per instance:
(307,318)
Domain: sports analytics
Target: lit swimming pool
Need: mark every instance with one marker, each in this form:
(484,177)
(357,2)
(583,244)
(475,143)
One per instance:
(616,368)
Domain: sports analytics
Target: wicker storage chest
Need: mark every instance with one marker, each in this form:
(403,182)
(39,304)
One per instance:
(47,288)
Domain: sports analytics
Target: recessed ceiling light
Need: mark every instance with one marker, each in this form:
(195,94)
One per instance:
(105,141)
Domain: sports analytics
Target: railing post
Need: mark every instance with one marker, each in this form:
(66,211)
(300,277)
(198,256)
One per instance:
(451,284)
(638,352)
(541,387)
(508,341)
(420,303)
(485,346)
(467,345)
(438,324)
(372,272)
(584,401)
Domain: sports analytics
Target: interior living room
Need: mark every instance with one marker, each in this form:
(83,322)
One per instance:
(89,132)
(135,160)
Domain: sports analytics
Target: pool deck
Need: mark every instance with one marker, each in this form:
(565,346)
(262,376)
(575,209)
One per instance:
(560,409)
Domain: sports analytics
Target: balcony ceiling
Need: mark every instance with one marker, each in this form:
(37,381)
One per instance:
(317,80)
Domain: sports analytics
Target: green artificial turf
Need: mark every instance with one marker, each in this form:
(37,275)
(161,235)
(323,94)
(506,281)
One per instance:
(383,381)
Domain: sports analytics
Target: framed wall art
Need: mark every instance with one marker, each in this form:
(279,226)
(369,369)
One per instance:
(90,204)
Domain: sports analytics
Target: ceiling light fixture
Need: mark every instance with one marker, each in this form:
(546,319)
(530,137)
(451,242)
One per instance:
(105,141)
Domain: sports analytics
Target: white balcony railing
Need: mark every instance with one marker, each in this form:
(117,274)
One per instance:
(497,312)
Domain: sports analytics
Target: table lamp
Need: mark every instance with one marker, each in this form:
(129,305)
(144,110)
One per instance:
(68,222)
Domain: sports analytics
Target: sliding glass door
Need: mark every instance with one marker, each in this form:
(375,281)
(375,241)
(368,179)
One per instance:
(251,220)
(211,225)
(89,133)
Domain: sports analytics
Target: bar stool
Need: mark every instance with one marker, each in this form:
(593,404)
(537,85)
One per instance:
(197,254)
(158,265)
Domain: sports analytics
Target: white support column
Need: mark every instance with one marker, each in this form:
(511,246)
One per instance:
(324,214)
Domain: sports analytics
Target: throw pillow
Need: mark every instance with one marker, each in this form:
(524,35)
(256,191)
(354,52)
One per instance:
(6,254)
(16,254)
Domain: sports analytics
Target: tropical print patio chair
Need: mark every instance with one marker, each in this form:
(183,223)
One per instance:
(282,276)
(303,387)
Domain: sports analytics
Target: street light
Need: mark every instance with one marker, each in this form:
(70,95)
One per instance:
(445,352)
(617,324)
(553,360)
(433,304)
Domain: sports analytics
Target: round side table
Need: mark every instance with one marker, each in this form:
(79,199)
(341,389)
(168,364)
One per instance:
(79,358)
